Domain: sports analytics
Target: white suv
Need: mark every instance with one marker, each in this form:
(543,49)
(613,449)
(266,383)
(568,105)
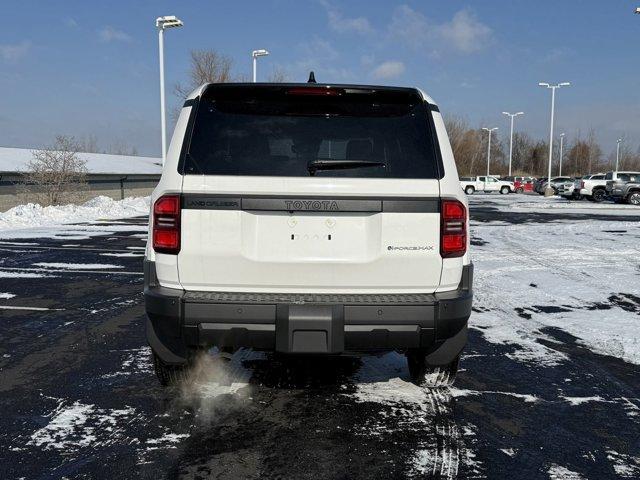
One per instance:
(309,219)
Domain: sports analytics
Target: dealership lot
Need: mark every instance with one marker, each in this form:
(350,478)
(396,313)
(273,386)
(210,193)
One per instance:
(549,387)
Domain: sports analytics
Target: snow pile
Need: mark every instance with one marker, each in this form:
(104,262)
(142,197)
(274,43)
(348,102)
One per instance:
(98,208)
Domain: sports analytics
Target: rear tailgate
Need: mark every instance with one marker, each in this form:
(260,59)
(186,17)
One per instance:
(320,243)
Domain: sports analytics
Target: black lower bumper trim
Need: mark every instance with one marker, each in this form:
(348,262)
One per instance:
(312,324)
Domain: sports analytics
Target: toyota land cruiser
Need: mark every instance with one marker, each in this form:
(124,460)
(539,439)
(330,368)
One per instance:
(309,219)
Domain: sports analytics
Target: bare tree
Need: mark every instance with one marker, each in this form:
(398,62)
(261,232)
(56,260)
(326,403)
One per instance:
(88,144)
(207,66)
(278,75)
(56,175)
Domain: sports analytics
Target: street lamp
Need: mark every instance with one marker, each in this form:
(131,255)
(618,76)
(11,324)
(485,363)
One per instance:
(512,115)
(163,23)
(619,141)
(561,145)
(255,54)
(490,130)
(549,190)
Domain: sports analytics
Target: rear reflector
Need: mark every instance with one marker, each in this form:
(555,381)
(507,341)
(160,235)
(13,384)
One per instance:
(453,229)
(166,224)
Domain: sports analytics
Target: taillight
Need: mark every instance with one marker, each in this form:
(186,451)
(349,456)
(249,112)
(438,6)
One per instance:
(322,91)
(581,183)
(453,229)
(166,224)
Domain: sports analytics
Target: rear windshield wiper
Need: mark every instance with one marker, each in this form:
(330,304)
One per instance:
(319,164)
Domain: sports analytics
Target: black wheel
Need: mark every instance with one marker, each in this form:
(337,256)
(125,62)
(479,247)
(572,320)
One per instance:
(425,375)
(504,190)
(169,374)
(634,198)
(469,190)
(519,190)
(598,195)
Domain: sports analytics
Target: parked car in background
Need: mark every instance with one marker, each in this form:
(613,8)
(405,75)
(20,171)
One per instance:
(555,184)
(592,187)
(566,189)
(538,184)
(487,184)
(521,184)
(624,187)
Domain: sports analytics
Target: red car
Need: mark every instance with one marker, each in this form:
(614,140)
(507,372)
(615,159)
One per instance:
(521,184)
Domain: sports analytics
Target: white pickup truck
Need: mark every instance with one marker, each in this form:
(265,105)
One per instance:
(592,187)
(487,184)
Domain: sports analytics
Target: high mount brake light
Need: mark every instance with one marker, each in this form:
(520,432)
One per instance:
(166,224)
(453,229)
(317,91)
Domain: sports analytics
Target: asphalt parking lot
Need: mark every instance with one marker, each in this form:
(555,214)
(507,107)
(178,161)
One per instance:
(549,387)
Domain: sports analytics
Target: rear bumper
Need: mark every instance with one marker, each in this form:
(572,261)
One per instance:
(301,323)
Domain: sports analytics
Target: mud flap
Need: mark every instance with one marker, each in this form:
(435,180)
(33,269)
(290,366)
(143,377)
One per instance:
(310,328)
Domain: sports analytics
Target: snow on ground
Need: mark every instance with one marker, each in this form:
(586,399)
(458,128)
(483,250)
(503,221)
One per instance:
(77,266)
(557,472)
(77,425)
(33,215)
(554,205)
(577,276)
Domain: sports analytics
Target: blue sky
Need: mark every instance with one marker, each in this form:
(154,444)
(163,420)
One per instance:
(81,68)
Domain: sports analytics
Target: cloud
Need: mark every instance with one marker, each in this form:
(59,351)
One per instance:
(556,55)
(319,55)
(464,33)
(71,23)
(341,24)
(14,52)
(110,34)
(390,69)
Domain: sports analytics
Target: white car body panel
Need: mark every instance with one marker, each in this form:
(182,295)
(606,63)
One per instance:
(248,251)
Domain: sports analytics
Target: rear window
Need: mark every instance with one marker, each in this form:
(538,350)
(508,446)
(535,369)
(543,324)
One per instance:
(292,131)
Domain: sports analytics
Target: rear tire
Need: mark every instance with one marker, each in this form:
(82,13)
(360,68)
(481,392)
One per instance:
(519,190)
(469,190)
(504,190)
(598,195)
(169,374)
(430,376)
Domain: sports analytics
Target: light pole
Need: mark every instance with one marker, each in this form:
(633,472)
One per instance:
(619,141)
(162,23)
(255,54)
(561,145)
(512,115)
(490,130)
(549,191)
